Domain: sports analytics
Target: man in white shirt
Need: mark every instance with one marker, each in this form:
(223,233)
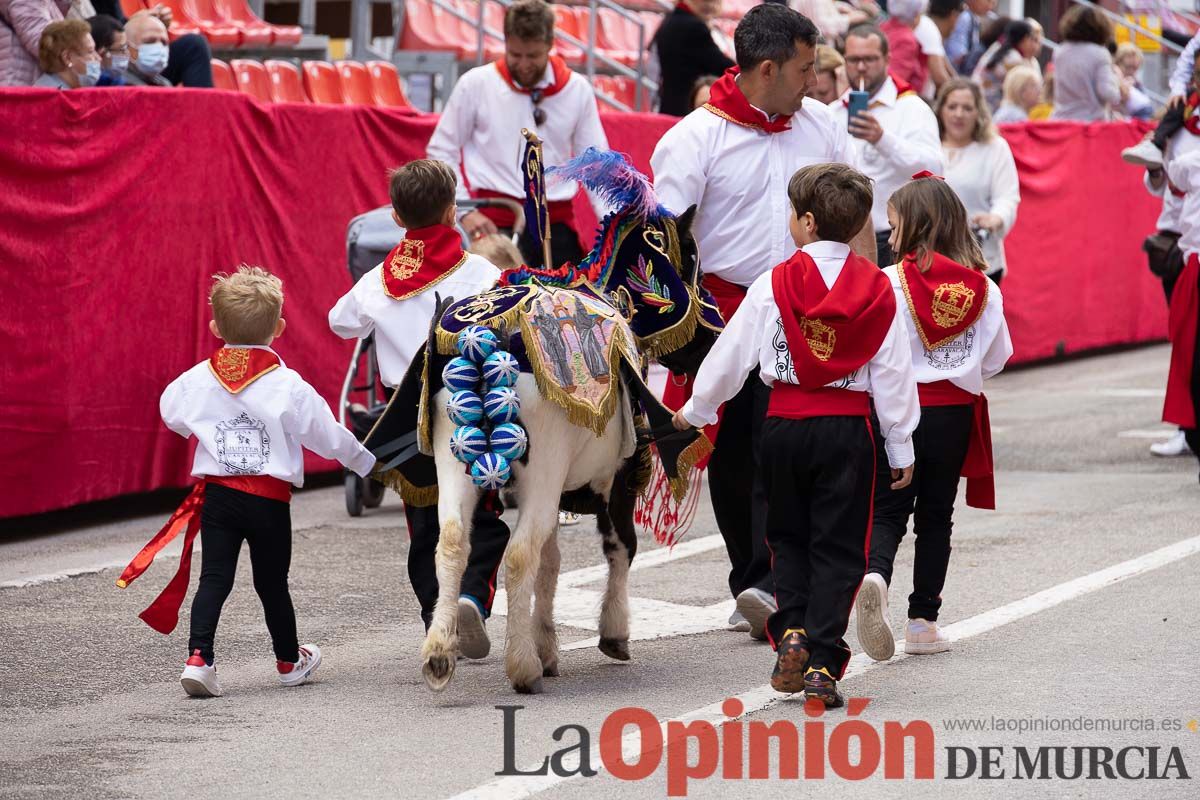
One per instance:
(929,36)
(895,138)
(481,124)
(733,159)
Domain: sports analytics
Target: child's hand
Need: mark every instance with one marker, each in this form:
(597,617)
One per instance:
(902,477)
(679,422)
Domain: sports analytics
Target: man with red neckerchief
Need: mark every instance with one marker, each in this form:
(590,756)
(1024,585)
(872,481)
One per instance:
(480,128)
(733,159)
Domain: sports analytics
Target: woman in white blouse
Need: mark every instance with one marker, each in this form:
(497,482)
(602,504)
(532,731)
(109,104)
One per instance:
(979,167)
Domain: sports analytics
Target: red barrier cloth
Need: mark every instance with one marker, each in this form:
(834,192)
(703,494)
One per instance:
(119,204)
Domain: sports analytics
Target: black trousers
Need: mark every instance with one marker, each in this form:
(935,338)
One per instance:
(189,62)
(227,518)
(735,484)
(564,246)
(940,442)
(884,256)
(489,538)
(1170,124)
(819,474)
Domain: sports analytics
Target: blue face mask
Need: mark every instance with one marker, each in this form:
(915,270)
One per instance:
(120,63)
(152,58)
(91,75)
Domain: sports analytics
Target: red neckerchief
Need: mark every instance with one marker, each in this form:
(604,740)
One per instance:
(682,5)
(235,368)
(944,300)
(423,257)
(726,100)
(831,332)
(1191,120)
(559,68)
(903,88)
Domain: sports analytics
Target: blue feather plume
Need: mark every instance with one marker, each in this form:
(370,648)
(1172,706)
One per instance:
(609,174)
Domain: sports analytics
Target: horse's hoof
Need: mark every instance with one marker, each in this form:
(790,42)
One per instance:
(533,687)
(550,671)
(437,671)
(615,648)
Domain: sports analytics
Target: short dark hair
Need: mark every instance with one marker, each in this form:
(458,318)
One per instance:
(769,32)
(866,31)
(944,8)
(421,191)
(837,195)
(1085,24)
(530,20)
(105,30)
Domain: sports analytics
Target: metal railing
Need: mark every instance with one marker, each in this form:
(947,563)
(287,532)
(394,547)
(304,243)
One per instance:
(1120,21)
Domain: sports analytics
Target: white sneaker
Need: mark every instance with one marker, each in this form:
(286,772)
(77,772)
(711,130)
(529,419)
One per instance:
(923,637)
(298,673)
(198,678)
(1143,154)
(1175,446)
(738,623)
(755,606)
(473,641)
(874,629)
(566,518)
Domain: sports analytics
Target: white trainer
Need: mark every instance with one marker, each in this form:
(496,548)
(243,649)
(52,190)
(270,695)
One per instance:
(874,629)
(1175,446)
(473,641)
(922,637)
(755,606)
(566,519)
(299,672)
(198,678)
(738,623)
(1143,154)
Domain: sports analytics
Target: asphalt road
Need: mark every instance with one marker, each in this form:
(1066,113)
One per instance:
(1073,608)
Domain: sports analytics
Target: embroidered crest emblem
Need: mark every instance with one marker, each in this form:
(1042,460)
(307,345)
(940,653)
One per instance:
(232,364)
(953,353)
(243,445)
(407,259)
(951,302)
(820,337)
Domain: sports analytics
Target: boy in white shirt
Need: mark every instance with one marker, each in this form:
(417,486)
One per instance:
(822,328)
(252,418)
(396,302)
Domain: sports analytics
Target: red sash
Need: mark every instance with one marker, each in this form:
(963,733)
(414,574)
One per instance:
(560,210)
(1179,405)
(561,75)
(831,332)
(235,368)
(978,467)
(423,257)
(793,402)
(163,614)
(726,100)
(944,300)
(1191,120)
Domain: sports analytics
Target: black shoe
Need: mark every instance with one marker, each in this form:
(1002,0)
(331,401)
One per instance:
(820,685)
(790,662)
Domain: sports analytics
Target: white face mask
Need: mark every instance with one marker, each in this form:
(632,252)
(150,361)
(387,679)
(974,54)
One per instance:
(119,63)
(152,58)
(91,74)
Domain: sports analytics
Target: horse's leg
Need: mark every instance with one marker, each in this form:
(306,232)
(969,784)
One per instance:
(543,606)
(537,523)
(619,540)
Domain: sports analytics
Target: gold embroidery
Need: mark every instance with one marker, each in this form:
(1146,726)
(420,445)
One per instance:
(232,364)
(951,303)
(820,337)
(727,118)
(656,239)
(902,275)
(408,259)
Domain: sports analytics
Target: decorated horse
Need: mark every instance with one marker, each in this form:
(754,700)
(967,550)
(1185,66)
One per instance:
(556,358)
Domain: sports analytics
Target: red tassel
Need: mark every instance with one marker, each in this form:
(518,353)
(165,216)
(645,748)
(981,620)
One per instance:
(660,513)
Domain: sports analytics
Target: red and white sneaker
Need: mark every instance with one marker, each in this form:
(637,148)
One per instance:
(298,673)
(198,678)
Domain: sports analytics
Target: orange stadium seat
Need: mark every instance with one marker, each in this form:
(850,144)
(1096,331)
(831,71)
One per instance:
(200,15)
(286,86)
(385,84)
(252,79)
(223,77)
(255,32)
(566,21)
(427,27)
(321,82)
(613,35)
(131,7)
(356,83)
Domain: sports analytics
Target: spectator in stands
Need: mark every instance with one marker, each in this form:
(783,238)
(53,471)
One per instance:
(831,18)
(896,138)
(1045,106)
(148,50)
(933,47)
(906,60)
(686,52)
(67,56)
(1086,85)
(21,26)
(1129,61)
(1018,44)
(979,167)
(945,15)
(480,128)
(109,35)
(190,59)
(830,79)
(964,47)
(701,90)
(1022,91)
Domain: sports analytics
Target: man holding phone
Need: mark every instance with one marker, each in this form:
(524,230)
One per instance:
(893,132)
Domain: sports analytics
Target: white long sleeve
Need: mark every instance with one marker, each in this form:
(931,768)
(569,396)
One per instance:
(1006,188)
(348,318)
(317,429)
(894,390)
(727,364)
(450,137)
(1181,76)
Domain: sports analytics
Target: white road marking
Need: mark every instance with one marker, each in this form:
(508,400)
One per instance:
(1130,392)
(763,697)
(1153,433)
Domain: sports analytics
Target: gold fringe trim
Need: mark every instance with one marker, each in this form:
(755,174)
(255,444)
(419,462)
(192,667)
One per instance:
(413,495)
(691,455)
(639,480)
(424,421)
(674,337)
(912,310)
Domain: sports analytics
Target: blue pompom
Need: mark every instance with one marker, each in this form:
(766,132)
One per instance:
(500,369)
(465,408)
(459,374)
(468,443)
(491,471)
(502,405)
(477,343)
(509,440)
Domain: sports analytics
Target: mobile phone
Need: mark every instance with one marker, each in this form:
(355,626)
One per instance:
(858,102)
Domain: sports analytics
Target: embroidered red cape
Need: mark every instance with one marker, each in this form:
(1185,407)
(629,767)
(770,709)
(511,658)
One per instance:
(423,257)
(831,332)
(562,74)
(943,301)
(235,368)
(727,102)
